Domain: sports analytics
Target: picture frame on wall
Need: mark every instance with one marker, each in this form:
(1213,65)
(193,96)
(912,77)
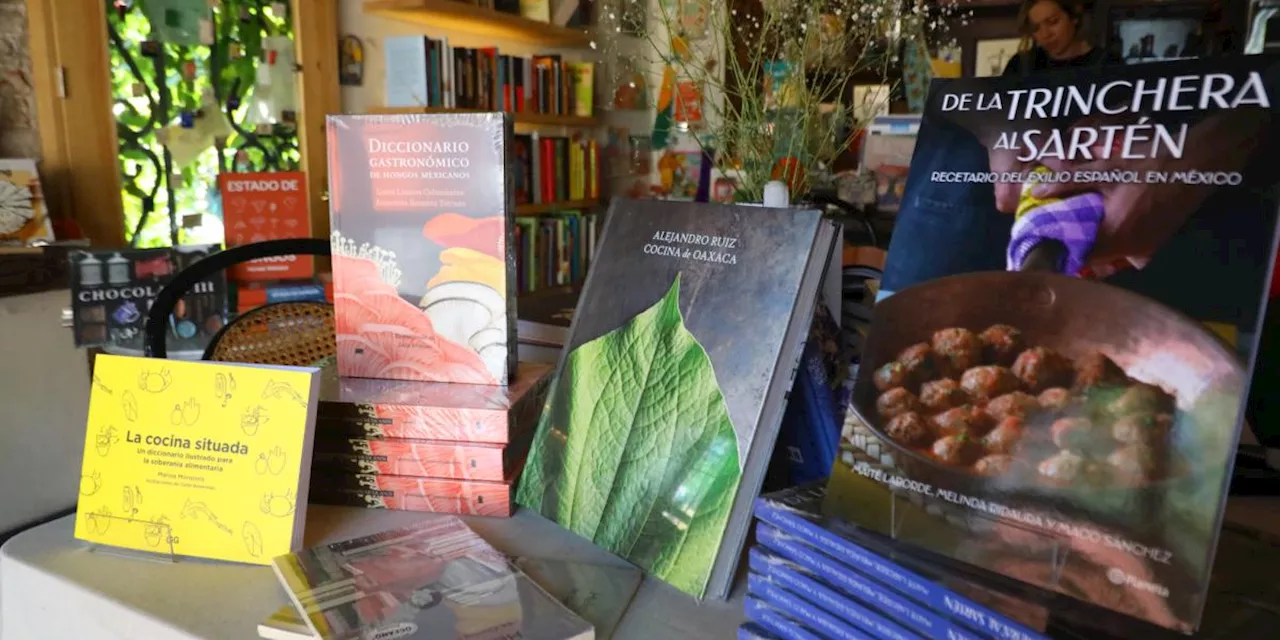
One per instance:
(992,55)
(1138,32)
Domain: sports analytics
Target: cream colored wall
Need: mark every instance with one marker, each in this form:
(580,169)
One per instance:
(44,404)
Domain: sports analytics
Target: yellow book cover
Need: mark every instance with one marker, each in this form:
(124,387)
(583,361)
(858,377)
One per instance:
(202,459)
(584,88)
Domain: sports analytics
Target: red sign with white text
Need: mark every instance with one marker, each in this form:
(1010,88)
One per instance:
(266,206)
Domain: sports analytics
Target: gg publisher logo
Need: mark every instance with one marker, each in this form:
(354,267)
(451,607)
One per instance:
(1115,575)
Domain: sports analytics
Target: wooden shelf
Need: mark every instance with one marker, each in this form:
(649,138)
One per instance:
(461,16)
(548,207)
(537,119)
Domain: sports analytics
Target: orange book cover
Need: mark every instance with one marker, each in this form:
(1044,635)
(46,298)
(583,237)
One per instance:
(405,493)
(422,213)
(266,206)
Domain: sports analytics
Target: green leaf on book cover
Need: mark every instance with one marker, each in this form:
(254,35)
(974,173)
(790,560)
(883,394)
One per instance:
(635,449)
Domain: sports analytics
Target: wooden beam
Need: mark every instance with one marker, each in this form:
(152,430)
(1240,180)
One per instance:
(79,167)
(315,32)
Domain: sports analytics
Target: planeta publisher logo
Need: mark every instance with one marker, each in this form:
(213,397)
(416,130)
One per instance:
(1120,578)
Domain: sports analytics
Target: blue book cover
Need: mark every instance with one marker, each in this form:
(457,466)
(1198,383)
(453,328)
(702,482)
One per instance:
(753,631)
(861,600)
(775,622)
(810,433)
(794,513)
(812,617)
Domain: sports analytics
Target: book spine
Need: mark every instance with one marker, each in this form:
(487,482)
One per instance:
(774,622)
(810,616)
(901,608)
(937,597)
(825,597)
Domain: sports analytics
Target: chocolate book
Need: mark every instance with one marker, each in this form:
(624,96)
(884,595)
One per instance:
(422,212)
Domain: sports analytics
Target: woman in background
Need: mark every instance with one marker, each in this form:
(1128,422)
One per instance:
(1055,28)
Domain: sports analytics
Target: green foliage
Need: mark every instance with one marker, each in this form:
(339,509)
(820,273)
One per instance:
(150,93)
(635,449)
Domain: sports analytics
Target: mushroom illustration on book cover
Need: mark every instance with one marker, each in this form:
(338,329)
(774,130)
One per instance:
(421,218)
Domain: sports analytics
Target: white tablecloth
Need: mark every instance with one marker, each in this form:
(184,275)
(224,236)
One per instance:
(53,588)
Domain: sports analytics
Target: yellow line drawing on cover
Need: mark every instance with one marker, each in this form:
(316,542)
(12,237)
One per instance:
(252,538)
(99,521)
(186,413)
(103,441)
(279,506)
(97,382)
(155,381)
(158,531)
(132,498)
(282,391)
(194,510)
(253,419)
(129,404)
(224,384)
(91,483)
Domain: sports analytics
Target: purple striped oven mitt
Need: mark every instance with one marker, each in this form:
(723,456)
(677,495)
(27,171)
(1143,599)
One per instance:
(1072,221)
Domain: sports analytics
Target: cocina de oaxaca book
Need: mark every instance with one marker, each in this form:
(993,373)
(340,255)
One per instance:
(201,459)
(435,580)
(421,213)
(435,410)
(1017,432)
(923,596)
(662,420)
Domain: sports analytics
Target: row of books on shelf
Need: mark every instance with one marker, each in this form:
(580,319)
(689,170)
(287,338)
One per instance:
(553,169)
(554,250)
(427,72)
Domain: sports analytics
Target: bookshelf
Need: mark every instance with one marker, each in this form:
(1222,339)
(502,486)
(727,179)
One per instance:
(527,118)
(458,15)
(556,153)
(550,207)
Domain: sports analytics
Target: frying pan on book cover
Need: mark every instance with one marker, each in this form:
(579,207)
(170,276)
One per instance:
(1151,342)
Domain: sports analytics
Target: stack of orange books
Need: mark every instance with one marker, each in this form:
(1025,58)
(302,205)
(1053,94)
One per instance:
(426,446)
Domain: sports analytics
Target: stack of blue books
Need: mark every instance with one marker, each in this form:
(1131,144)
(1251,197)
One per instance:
(813,578)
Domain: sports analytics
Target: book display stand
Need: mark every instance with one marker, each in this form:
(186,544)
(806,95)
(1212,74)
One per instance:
(157,534)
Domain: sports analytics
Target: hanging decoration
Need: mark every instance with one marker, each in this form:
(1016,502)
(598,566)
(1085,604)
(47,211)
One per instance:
(177,21)
(350,61)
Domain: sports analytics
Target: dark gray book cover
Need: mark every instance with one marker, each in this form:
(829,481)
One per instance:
(666,404)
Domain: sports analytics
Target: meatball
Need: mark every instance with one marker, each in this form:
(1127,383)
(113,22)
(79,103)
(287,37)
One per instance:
(1073,434)
(891,375)
(1002,439)
(957,349)
(1040,368)
(985,383)
(1061,468)
(1095,370)
(941,395)
(1001,344)
(1055,399)
(1142,398)
(896,402)
(1133,465)
(959,450)
(1141,428)
(921,362)
(910,429)
(963,419)
(1018,403)
(993,465)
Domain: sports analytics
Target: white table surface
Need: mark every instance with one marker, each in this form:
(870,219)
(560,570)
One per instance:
(52,587)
